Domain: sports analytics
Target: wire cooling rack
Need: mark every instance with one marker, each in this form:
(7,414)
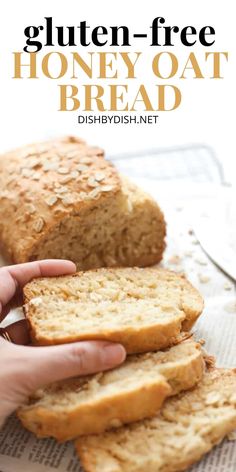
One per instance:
(196,163)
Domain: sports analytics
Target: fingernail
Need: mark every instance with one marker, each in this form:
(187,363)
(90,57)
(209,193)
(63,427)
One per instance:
(114,354)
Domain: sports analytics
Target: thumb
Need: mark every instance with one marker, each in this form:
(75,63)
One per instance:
(44,365)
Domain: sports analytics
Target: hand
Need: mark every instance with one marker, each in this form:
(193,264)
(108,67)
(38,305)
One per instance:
(24,368)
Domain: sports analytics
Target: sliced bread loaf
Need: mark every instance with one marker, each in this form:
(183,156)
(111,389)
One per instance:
(144,309)
(66,201)
(187,427)
(131,392)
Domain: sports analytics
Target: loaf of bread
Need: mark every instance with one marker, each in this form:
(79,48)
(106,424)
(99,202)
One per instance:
(62,199)
(131,392)
(142,308)
(187,427)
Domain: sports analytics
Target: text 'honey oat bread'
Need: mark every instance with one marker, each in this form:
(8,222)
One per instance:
(131,392)
(64,200)
(187,427)
(142,308)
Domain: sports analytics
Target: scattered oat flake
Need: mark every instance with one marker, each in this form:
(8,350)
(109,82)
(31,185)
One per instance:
(204,279)
(68,200)
(61,189)
(50,155)
(66,178)
(201,262)
(227,286)
(74,174)
(188,253)
(81,167)
(92,183)
(191,232)
(230,307)
(36,301)
(26,172)
(94,193)
(85,160)
(99,176)
(36,176)
(33,163)
(82,195)
(50,166)
(63,170)
(38,225)
(31,208)
(51,200)
(174,260)
(72,154)
(107,188)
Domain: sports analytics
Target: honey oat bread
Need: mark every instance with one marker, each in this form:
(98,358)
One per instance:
(188,426)
(64,200)
(133,391)
(142,308)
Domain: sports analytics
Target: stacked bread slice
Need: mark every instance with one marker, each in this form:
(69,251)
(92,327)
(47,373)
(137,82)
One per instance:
(133,391)
(158,412)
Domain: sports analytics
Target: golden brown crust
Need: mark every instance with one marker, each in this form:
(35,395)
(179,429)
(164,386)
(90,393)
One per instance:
(43,183)
(66,201)
(147,339)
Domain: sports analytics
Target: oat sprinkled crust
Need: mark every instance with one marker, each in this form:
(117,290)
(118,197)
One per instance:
(64,200)
(43,183)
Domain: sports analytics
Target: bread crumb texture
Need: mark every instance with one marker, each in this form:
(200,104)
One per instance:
(66,201)
(144,309)
(131,392)
(187,427)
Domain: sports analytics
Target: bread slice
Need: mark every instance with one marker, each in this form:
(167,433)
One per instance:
(144,309)
(128,393)
(187,427)
(66,201)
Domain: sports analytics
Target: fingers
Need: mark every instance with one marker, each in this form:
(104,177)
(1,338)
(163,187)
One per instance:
(23,273)
(44,365)
(24,369)
(17,333)
(13,278)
